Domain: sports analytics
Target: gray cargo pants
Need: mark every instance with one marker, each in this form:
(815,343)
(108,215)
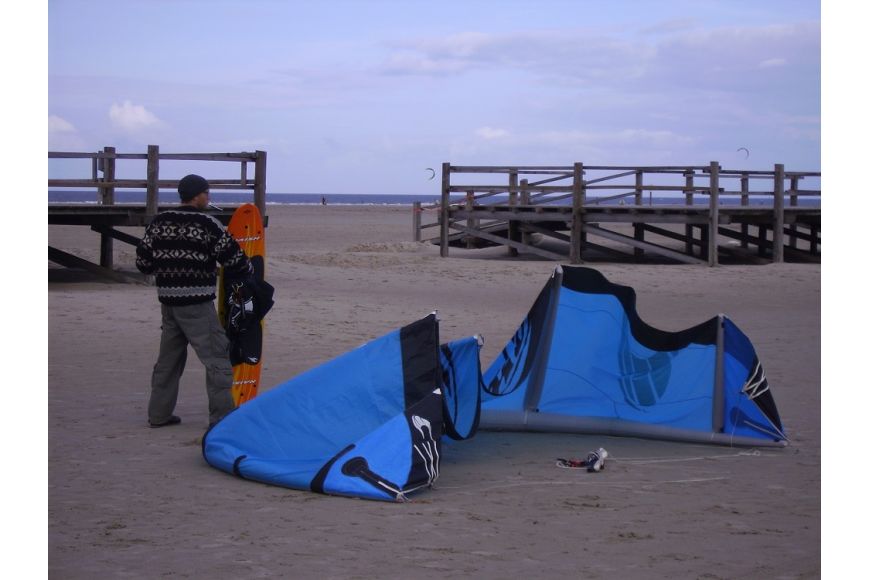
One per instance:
(198,326)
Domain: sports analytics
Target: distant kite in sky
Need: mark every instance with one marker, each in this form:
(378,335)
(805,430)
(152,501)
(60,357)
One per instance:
(747,152)
(431,177)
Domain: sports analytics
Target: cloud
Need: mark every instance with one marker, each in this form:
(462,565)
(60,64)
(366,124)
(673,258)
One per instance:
(677,52)
(772,62)
(132,118)
(59,125)
(577,54)
(619,138)
(413,64)
(489,133)
(670,26)
(63,135)
(717,57)
(628,144)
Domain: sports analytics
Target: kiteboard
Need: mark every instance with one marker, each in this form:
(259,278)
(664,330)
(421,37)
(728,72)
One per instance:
(246,226)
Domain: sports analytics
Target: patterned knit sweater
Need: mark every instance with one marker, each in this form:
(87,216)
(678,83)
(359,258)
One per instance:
(182,247)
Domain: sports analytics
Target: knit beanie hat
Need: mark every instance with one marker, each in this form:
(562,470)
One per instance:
(190,186)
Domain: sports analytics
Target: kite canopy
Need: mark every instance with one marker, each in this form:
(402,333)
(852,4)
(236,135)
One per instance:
(584,361)
(462,387)
(365,424)
(369,423)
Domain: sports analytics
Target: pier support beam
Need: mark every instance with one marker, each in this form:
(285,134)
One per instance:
(416,220)
(107,197)
(778,212)
(445,210)
(744,201)
(260,182)
(577,194)
(513,226)
(713,224)
(690,200)
(638,200)
(152,176)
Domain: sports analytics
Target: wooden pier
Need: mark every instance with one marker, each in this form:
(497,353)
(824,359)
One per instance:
(684,214)
(105,215)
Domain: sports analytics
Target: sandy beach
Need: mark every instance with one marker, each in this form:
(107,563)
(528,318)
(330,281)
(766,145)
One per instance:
(126,501)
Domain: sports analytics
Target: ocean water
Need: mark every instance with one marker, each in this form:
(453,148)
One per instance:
(234,198)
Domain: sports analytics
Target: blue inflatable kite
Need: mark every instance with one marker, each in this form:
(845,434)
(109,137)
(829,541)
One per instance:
(583,361)
(370,422)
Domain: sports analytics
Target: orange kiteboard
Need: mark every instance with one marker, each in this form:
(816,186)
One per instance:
(246,226)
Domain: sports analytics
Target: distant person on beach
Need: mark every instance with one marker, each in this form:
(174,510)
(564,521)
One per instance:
(182,247)
(323,200)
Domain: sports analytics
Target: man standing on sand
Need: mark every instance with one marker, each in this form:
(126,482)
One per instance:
(182,247)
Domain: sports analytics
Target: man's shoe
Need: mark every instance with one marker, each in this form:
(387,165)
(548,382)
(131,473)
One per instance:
(172,420)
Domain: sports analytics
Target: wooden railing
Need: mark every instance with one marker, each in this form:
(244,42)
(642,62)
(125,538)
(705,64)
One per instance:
(584,187)
(104,178)
(104,174)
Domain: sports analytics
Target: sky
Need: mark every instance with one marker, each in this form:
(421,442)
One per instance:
(363,96)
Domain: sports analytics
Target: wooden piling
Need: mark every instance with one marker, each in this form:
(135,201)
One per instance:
(577,192)
(638,200)
(416,220)
(152,177)
(471,222)
(778,211)
(690,200)
(713,220)
(260,181)
(445,210)
(513,225)
(524,200)
(793,202)
(744,201)
(107,197)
